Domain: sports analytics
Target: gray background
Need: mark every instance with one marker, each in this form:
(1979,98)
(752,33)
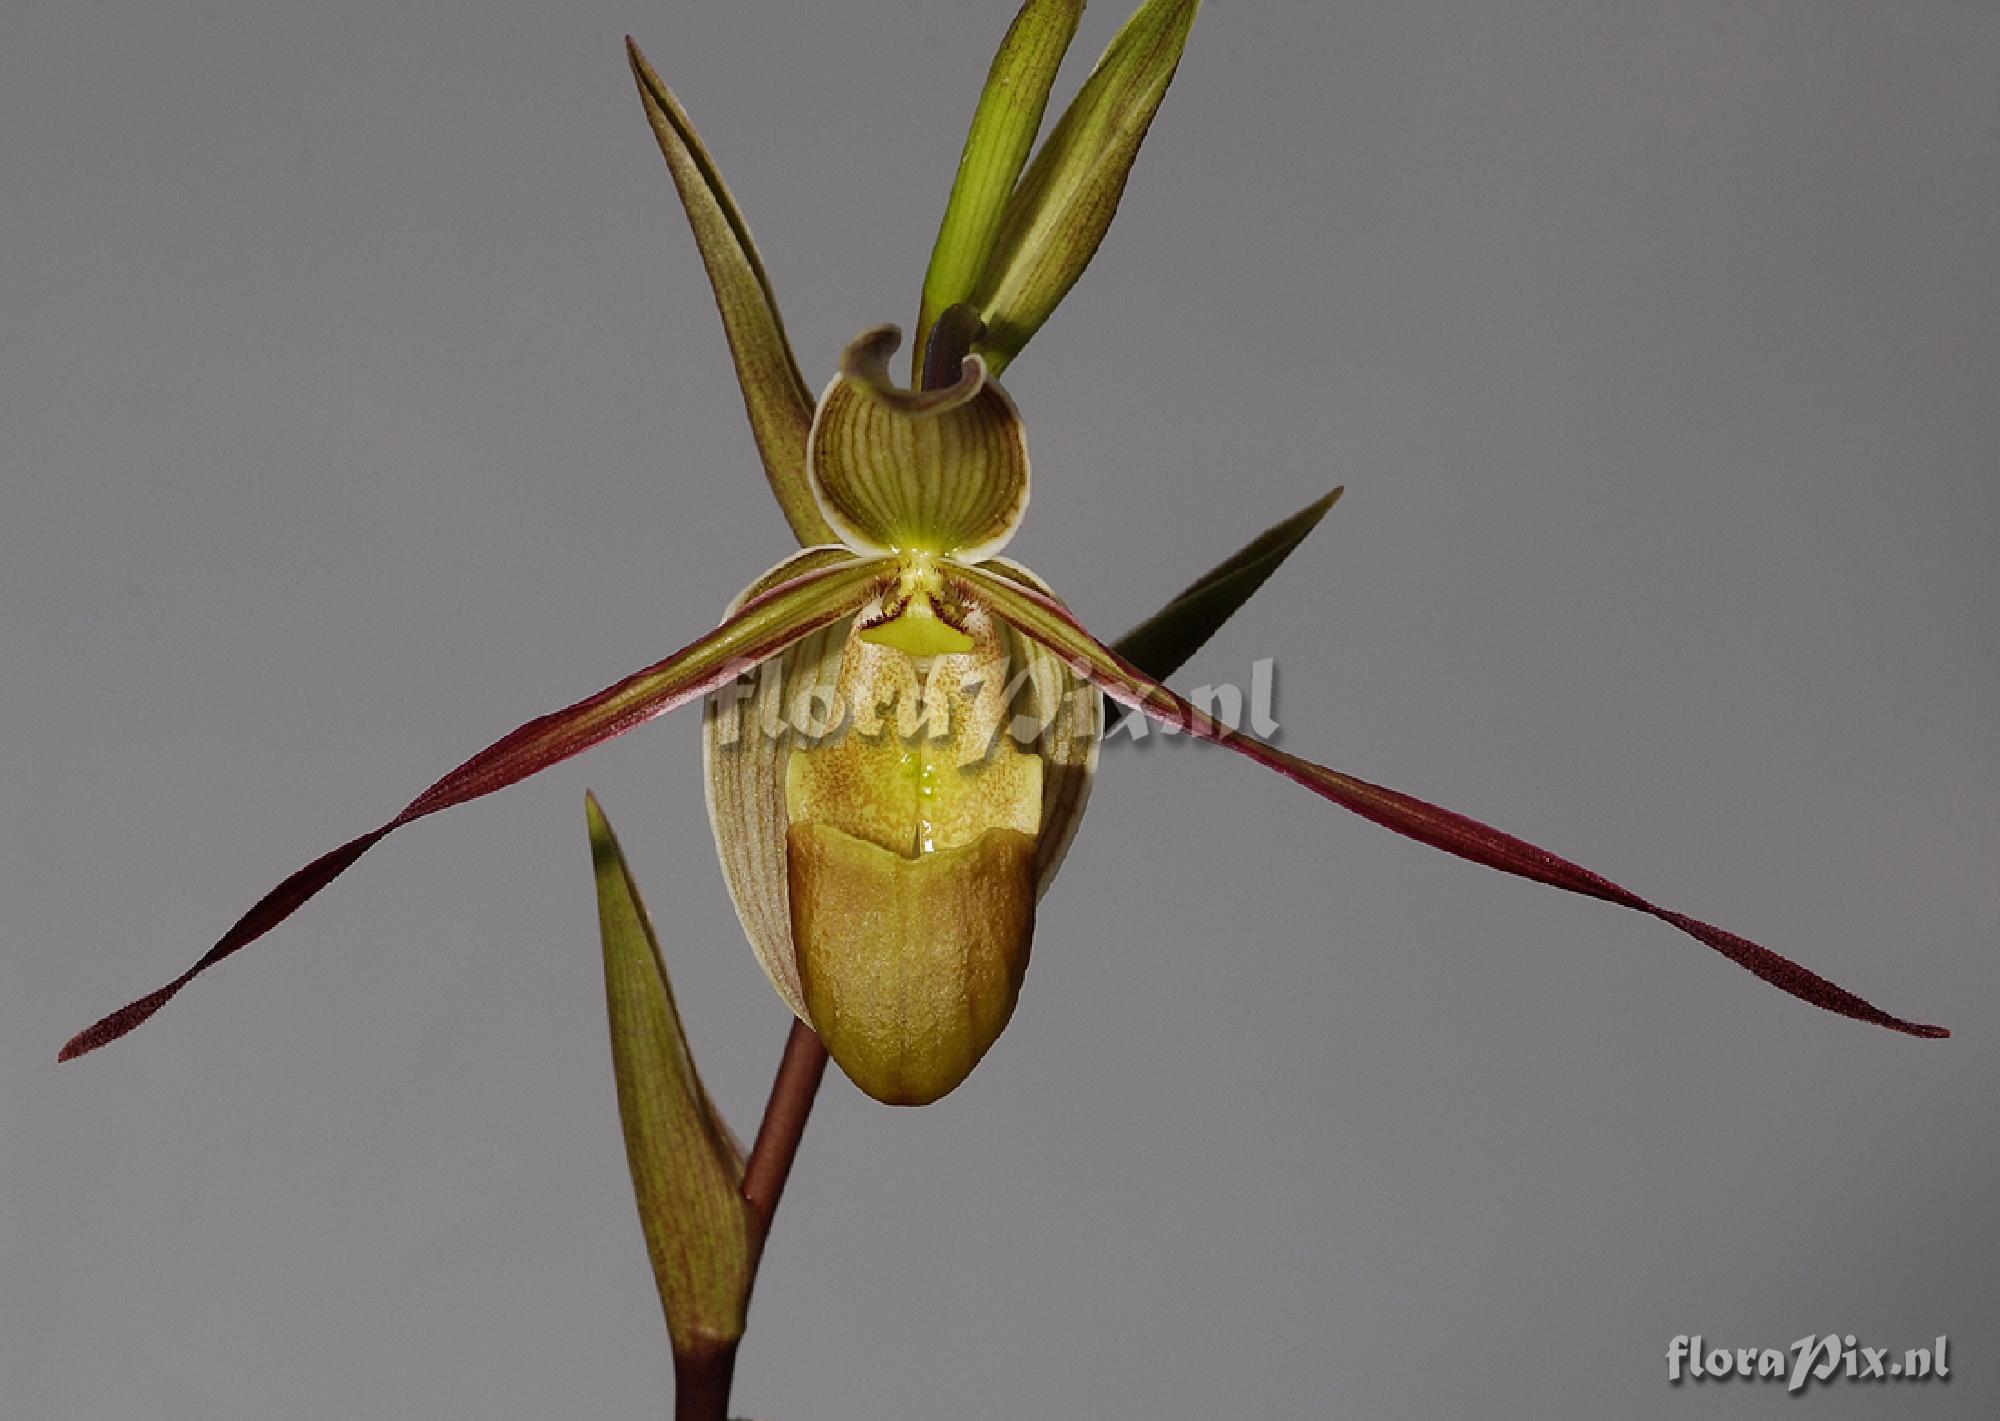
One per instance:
(363,396)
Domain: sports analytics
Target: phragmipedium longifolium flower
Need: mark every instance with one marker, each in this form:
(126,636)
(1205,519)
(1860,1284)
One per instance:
(887,872)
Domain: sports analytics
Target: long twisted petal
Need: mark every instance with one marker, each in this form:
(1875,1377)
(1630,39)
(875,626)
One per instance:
(1052,625)
(761,628)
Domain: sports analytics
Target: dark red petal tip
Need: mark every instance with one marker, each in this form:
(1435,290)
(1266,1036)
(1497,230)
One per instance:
(763,626)
(1050,623)
(125,1019)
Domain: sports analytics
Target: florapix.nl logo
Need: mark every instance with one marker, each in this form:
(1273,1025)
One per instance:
(1813,1358)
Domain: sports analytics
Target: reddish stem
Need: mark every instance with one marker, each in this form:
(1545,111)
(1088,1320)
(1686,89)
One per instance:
(702,1379)
(792,1095)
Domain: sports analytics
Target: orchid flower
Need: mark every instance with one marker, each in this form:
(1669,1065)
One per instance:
(887,874)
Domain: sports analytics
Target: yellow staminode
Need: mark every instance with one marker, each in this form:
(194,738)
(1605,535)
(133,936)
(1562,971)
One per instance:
(921,617)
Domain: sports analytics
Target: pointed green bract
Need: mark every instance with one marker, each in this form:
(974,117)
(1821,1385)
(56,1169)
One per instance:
(1059,213)
(1003,130)
(1048,622)
(687,1170)
(1162,643)
(775,394)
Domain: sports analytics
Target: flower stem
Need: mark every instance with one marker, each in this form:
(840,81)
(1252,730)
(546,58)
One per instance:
(702,1378)
(792,1094)
(702,1381)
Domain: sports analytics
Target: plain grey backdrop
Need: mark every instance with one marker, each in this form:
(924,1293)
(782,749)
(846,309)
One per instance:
(363,396)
